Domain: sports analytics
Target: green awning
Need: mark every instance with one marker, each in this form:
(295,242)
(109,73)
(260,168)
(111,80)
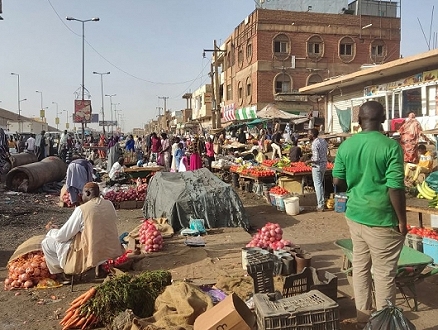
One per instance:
(257,121)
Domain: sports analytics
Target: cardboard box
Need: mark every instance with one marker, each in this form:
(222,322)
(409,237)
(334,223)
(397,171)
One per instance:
(293,185)
(230,314)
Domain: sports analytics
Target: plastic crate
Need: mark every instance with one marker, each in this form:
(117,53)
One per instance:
(311,279)
(261,268)
(307,311)
(414,241)
(430,247)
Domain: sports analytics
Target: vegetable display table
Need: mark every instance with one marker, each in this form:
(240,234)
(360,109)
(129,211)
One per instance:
(419,206)
(142,172)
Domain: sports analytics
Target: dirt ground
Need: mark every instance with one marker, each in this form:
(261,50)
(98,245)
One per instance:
(25,215)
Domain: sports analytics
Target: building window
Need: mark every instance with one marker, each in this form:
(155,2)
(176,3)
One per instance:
(314,79)
(249,52)
(281,46)
(378,51)
(315,47)
(248,90)
(229,92)
(240,92)
(240,56)
(282,83)
(347,49)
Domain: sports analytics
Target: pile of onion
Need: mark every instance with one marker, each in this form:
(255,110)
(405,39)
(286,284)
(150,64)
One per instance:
(26,271)
(270,236)
(150,237)
(131,194)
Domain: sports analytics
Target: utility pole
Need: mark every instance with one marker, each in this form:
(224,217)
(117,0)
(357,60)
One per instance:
(165,108)
(217,117)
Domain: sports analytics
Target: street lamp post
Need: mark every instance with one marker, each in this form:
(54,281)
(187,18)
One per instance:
(94,19)
(42,112)
(115,113)
(67,126)
(101,90)
(19,101)
(57,118)
(111,110)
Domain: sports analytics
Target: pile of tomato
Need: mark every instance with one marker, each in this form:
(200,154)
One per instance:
(234,168)
(330,166)
(298,167)
(269,162)
(277,190)
(258,172)
(423,232)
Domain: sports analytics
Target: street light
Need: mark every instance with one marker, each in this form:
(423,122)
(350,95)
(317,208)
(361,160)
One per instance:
(42,113)
(57,118)
(101,90)
(19,102)
(94,19)
(115,113)
(111,110)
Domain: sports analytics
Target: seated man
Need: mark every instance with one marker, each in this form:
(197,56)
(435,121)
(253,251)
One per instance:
(424,165)
(116,173)
(87,239)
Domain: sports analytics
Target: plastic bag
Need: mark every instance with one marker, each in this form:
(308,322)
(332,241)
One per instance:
(432,180)
(198,225)
(389,318)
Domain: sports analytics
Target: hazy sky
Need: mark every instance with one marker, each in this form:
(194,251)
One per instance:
(152,49)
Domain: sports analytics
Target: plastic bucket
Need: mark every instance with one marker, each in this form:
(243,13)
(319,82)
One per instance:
(279,202)
(273,199)
(292,205)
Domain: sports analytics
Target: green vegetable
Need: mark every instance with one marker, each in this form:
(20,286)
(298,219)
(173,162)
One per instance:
(119,293)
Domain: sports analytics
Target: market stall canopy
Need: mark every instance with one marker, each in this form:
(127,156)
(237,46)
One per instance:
(257,121)
(196,194)
(271,111)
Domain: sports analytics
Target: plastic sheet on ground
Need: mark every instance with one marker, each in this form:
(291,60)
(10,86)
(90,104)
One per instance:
(198,194)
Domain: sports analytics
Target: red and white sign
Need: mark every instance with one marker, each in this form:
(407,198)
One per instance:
(228,113)
(82,111)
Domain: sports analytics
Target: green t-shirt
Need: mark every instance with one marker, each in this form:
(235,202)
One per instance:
(370,163)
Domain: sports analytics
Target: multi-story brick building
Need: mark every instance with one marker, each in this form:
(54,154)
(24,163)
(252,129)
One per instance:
(273,53)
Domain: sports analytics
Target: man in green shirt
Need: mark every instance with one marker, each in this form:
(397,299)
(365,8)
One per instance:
(370,167)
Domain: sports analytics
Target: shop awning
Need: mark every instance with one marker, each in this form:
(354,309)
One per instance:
(228,113)
(257,121)
(246,113)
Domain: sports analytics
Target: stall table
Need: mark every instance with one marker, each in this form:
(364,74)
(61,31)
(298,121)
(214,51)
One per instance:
(420,206)
(142,172)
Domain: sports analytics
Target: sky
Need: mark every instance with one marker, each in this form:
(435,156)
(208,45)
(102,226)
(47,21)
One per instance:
(152,49)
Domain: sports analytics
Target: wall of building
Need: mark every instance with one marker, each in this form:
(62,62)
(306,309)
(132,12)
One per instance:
(249,54)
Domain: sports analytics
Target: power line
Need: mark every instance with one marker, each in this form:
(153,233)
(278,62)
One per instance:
(118,68)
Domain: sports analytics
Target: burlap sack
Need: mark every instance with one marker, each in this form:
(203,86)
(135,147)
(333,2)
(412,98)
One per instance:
(176,309)
(162,225)
(33,244)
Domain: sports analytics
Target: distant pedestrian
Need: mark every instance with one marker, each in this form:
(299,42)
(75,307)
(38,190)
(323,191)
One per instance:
(319,165)
(30,144)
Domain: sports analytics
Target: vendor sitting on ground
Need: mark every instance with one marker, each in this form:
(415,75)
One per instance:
(79,172)
(116,173)
(424,165)
(87,239)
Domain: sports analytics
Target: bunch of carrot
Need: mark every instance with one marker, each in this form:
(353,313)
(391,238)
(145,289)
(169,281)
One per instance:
(76,317)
